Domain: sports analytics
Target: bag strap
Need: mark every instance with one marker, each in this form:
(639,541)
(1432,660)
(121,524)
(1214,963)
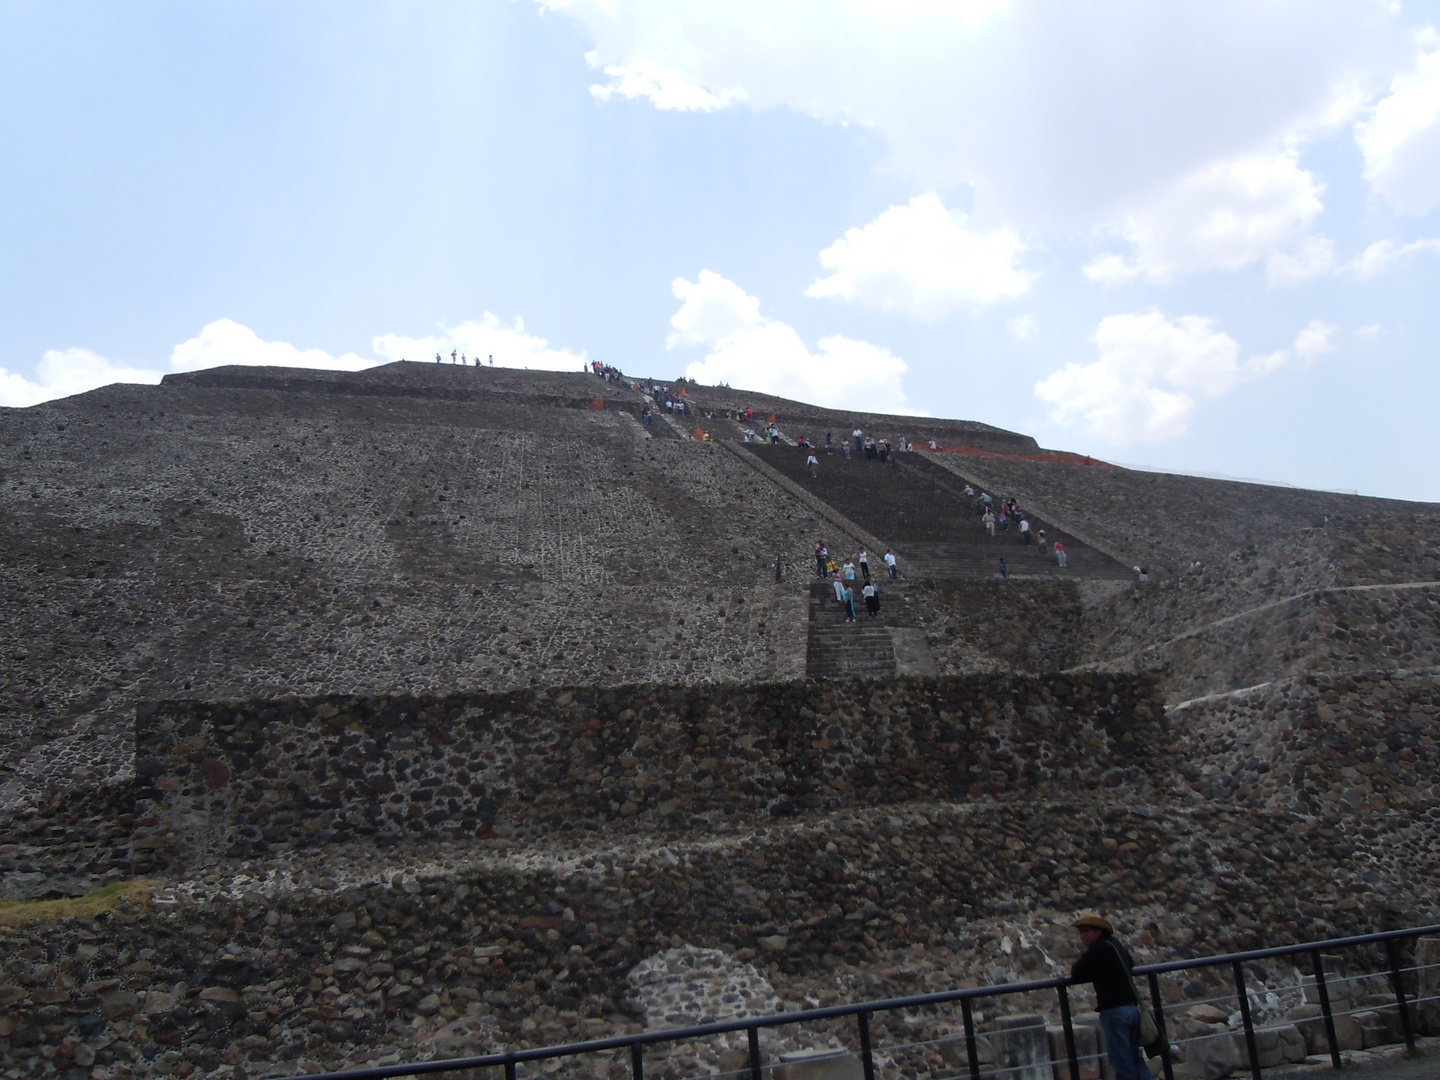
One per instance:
(1134,989)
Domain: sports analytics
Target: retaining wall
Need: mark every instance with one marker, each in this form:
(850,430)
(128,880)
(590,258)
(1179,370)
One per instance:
(242,777)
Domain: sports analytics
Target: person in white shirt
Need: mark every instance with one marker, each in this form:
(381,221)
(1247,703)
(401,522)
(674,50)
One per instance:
(856,435)
(813,462)
(891,564)
(848,570)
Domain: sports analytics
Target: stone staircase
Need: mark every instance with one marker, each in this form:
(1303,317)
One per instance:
(934,527)
(836,648)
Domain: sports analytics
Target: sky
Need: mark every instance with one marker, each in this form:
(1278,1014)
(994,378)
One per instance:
(1202,237)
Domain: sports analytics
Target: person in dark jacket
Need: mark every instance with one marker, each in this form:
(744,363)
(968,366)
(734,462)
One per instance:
(1106,964)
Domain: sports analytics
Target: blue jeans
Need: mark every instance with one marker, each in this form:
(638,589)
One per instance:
(1122,1037)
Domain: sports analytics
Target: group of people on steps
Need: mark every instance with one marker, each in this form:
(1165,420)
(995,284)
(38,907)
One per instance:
(843,575)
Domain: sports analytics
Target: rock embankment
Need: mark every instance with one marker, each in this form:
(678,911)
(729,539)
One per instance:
(217,779)
(1351,596)
(353,954)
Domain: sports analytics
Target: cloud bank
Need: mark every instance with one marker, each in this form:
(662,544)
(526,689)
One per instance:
(1117,103)
(510,345)
(1400,135)
(746,348)
(924,261)
(1151,371)
(1223,217)
(64,372)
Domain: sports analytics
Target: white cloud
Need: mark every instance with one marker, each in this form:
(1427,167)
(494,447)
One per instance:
(489,336)
(1315,340)
(64,372)
(664,88)
(1370,330)
(1224,217)
(746,348)
(1151,371)
(1383,254)
(924,261)
(1110,270)
(225,341)
(1313,256)
(1115,102)
(1021,327)
(1400,136)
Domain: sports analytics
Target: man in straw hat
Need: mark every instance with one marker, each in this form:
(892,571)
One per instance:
(1106,964)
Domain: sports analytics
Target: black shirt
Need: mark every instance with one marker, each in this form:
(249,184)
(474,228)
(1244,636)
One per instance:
(1107,965)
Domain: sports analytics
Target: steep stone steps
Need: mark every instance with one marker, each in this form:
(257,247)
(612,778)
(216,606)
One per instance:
(934,527)
(836,648)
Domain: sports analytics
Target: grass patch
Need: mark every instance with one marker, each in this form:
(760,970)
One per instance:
(111,897)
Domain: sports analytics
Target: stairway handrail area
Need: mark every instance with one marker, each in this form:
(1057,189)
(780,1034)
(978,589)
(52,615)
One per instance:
(863,1011)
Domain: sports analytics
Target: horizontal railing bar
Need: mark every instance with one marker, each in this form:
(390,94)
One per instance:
(1285,950)
(831,1012)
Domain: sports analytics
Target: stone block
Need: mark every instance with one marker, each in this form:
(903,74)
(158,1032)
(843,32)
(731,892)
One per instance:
(954,1052)
(1348,1034)
(1022,1048)
(1087,1051)
(1293,1048)
(157,1002)
(1267,1046)
(1429,1015)
(1280,1045)
(1427,960)
(819,1065)
(1215,1055)
(1091,1022)
(1311,1026)
(119,1004)
(1373,1029)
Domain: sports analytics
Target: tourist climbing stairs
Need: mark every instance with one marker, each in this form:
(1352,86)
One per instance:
(934,527)
(837,648)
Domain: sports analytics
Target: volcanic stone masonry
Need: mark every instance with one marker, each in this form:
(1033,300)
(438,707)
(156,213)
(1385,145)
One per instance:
(240,778)
(428,711)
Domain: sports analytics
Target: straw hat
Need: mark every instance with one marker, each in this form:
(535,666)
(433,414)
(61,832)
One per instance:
(1093,919)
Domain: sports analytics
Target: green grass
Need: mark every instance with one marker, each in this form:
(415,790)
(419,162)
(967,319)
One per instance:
(112,896)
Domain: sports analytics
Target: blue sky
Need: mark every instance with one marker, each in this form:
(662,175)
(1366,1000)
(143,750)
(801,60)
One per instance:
(1195,236)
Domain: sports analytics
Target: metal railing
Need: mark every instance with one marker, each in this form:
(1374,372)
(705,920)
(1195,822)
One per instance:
(862,1012)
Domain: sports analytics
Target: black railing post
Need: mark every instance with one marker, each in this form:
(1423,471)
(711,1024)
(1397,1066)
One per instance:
(1250,1048)
(754,1035)
(1325,1010)
(1393,955)
(970,1050)
(1159,1007)
(510,1069)
(1072,1055)
(867,1056)
(637,1062)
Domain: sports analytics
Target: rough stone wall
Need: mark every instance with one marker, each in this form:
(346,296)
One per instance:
(1162,521)
(1019,625)
(184,540)
(1319,744)
(222,779)
(274,966)
(1324,599)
